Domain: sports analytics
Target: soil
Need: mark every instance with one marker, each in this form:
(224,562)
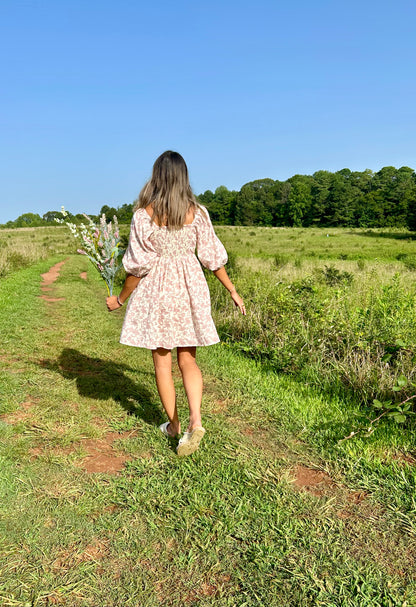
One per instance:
(68,559)
(313,481)
(83,275)
(404,458)
(100,456)
(356,497)
(52,299)
(220,405)
(21,415)
(52,274)
(5,358)
(48,278)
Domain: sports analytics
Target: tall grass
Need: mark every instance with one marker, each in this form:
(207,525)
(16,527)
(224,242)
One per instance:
(22,247)
(348,332)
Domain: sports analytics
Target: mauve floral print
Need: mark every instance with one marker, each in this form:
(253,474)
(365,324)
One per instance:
(171,305)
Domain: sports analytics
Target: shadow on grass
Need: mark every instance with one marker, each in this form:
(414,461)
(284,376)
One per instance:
(103,379)
(395,235)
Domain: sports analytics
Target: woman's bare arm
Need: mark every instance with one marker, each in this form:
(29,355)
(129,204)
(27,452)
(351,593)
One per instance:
(130,284)
(224,279)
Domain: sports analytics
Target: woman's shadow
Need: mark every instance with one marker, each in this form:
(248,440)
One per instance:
(103,379)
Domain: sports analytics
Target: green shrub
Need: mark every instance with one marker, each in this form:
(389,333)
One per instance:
(17,260)
(325,336)
(410,262)
(280,260)
(334,277)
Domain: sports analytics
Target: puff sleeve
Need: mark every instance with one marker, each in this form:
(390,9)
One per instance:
(209,249)
(140,255)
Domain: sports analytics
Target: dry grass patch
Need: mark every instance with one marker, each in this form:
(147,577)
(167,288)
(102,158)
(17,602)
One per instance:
(316,482)
(93,455)
(23,414)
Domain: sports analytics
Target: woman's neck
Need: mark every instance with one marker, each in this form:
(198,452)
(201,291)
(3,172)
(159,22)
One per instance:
(190,216)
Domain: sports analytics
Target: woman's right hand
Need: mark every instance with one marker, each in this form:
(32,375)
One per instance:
(238,302)
(112,303)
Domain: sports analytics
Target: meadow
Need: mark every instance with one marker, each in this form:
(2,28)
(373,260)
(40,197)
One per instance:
(336,307)
(281,505)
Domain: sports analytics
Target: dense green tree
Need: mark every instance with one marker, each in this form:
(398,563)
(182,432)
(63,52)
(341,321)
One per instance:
(28,220)
(206,198)
(221,206)
(109,212)
(340,205)
(320,192)
(411,207)
(299,200)
(255,203)
(51,216)
(125,213)
(281,209)
(395,193)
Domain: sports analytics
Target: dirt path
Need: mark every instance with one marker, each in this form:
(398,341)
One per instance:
(48,278)
(100,454)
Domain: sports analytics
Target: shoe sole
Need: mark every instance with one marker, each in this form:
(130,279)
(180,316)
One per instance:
(192,444)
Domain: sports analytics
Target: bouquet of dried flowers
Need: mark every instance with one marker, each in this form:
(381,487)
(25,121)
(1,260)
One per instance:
(100,243)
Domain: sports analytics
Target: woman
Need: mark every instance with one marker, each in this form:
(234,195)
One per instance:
(170,302)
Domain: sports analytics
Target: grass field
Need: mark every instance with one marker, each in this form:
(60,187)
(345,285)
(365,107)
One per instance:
(274,509)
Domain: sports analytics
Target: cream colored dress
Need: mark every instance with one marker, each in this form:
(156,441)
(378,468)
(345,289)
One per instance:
(171,305)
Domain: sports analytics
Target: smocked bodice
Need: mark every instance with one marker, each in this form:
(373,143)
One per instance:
(173,243)
(150,243)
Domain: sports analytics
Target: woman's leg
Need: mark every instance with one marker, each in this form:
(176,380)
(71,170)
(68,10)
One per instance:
(162,360)
(192,381)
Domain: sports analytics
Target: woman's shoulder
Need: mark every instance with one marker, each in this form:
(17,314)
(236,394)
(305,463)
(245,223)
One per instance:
(200,207)
(142,222)
(140,215)
(139,212)
(200,214)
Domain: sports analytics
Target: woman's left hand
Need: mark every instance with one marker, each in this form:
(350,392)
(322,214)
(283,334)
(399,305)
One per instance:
(239,303)
(112,303)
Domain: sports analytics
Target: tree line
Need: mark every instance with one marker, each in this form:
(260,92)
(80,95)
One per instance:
(347,198)
(386,198)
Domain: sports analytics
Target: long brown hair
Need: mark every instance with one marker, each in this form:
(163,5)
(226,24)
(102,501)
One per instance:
(168,191)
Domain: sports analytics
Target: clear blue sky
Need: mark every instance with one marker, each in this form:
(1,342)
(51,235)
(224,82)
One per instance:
(93,91)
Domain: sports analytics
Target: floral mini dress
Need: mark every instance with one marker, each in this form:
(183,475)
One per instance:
(171,305)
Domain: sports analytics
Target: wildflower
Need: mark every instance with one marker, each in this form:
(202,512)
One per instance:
(101,244)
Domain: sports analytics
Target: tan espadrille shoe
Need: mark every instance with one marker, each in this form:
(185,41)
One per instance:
(190,441)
